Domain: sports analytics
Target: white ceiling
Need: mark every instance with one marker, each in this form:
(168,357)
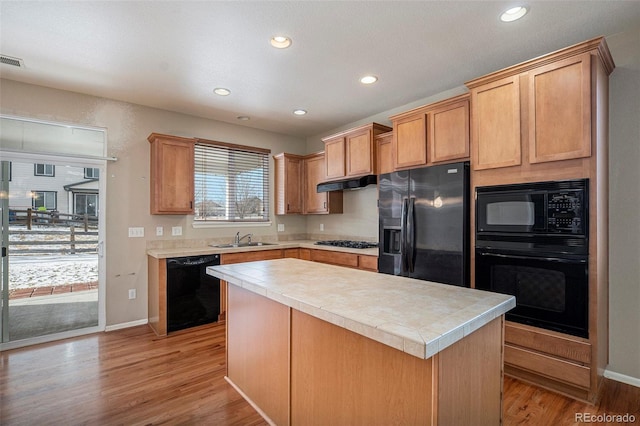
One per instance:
(172,54)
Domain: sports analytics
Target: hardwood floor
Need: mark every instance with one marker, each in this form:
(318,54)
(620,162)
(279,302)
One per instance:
(133,377)
(123,377)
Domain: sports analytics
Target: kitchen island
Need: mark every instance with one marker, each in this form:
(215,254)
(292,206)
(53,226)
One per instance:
(311,343)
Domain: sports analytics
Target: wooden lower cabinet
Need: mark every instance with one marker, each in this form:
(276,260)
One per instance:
(258,352)
(157,295)
(350,260)
(557,361)
(322,374)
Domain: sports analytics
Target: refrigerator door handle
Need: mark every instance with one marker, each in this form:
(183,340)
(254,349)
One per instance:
(403,236)
(411,234)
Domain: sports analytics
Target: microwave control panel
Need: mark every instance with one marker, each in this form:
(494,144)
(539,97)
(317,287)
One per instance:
(565,212)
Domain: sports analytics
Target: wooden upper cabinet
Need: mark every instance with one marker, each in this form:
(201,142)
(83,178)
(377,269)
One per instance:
(431,134)
(449,132)
(409,144)
(560,110)
(352,153)
(314,202)
(496,124)
(539,111)
(360,150)
(334,158)
(172,178)
(288,183)
(385,153)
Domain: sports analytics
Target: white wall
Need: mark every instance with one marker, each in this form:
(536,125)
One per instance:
(127,180)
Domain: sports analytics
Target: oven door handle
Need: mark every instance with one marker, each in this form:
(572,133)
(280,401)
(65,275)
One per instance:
(547,259)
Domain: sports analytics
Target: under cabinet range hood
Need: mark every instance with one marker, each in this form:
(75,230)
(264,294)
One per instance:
(351,183)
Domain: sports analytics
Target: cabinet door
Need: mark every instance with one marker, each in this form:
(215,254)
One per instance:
(293,185)
(449,133)
(560,110)
(172,165)
(496,124)
(334,158)
(288,184)
(360,153)
(410,141)
(385,153)
(314,202)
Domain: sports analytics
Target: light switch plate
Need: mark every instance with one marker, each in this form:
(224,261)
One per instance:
(159,231)
(281,227)
(176,230)
(136,232)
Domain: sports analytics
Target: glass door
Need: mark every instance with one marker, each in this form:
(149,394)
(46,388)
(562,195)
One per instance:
(51,246)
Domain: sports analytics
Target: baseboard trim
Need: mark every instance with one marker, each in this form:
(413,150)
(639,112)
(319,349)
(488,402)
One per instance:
(122,325)
(633,381)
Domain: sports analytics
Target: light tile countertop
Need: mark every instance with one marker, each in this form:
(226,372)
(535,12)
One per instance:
(201,251)
(417,317)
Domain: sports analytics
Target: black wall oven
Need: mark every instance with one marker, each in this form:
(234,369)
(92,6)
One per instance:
(532,242)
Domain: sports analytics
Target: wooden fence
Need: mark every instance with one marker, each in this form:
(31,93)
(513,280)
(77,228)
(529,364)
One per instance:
(72,245)
(55,233)
(29,217)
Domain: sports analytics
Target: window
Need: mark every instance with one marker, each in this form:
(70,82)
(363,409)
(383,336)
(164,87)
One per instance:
(85,204)
(231,183)
(44,200)
(91,173)
(44,170)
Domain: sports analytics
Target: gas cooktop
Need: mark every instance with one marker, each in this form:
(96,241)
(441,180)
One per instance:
(348,243)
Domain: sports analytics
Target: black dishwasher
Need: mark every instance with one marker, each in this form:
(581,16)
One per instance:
(193,297)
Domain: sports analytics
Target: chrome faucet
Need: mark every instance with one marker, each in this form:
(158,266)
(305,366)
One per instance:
(239,238)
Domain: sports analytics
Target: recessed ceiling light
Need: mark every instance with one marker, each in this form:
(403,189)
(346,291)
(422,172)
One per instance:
(368,79)
(280,42)
(243,118)
(513,14)
(299,111)
(222,91)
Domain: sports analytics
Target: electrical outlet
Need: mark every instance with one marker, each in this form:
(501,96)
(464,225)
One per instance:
(132,293)
(322,226)
(159,231)
(136,232)
(176,230)
(281,227)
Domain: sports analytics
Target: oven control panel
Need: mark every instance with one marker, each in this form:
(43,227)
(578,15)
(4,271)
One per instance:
(565,212)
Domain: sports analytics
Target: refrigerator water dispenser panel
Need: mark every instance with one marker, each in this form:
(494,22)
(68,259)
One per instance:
(391,241)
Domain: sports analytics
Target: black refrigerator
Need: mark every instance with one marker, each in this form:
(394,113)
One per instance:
(424,223)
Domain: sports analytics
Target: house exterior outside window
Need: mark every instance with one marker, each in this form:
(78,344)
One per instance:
(44,170)
(91,173)
(44,200)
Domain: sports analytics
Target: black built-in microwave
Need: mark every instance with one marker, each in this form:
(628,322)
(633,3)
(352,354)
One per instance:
(541,216)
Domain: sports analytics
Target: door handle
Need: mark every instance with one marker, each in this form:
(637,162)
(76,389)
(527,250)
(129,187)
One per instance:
(404,247)
(412,234)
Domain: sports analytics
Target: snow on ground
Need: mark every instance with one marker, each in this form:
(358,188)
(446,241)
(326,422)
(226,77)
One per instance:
(26,271)
(38,271)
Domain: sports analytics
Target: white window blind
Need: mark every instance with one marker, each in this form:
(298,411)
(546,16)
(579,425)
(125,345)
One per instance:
(231,183)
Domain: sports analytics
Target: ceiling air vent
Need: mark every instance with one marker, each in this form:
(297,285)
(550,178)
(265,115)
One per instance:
(11,61)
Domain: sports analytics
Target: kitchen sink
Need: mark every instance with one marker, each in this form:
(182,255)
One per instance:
(252,244)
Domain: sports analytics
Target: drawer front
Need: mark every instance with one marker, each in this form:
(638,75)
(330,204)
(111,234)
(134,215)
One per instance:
(569,347)
(250,256)
(335,258)
(544,365)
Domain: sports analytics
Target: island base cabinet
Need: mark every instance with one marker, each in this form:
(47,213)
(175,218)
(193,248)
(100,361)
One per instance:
(340,377)
(258,352)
